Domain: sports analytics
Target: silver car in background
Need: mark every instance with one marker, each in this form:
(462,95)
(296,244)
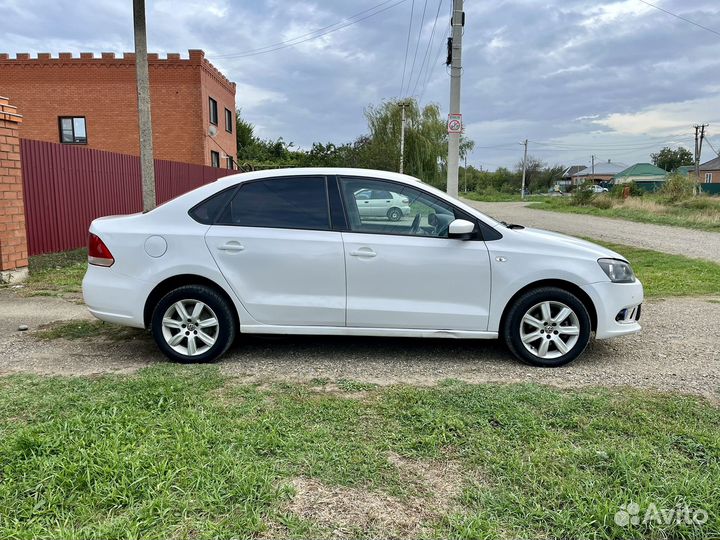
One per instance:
(382,204)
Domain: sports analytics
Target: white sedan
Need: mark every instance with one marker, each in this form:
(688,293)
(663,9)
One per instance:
(290,252)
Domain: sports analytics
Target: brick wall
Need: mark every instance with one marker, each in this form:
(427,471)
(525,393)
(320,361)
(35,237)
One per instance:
(13,240)
(103,90)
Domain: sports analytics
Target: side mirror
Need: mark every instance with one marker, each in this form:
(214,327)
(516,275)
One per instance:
(461,229)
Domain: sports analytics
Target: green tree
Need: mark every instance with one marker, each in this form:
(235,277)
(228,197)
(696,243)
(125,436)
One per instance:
(669,159)
(425,141)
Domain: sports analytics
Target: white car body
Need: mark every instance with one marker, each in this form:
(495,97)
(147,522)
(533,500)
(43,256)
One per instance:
(291,281)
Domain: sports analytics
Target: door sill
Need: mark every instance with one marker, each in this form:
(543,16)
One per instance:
(355,331)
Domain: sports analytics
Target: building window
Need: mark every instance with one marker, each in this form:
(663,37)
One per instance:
(73,130)
(708,177)
(229,162)
(228,120)
(213,112)
(214,158)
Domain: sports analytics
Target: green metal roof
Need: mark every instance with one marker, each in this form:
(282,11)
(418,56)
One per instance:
(641,169)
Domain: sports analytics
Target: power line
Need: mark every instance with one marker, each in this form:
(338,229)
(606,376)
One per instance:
(680,17)
(315,33)
(417,45)
(407,47)
(429,72)
(427,49)
(711,146)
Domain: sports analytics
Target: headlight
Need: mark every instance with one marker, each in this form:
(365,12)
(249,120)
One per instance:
(618,271)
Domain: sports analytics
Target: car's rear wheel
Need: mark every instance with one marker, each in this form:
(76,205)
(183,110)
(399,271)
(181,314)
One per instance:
(193,323)
(394,214)
(547,327)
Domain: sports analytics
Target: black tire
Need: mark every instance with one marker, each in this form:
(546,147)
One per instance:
(394,214)
(514,319)
(222,310)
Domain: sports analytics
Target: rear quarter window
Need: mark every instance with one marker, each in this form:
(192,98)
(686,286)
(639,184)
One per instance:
(208,211)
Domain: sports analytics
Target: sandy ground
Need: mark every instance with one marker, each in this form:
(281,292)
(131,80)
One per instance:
(678,350)
(677,240)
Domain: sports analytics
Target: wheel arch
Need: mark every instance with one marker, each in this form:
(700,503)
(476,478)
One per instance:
(560,284)
(173,282)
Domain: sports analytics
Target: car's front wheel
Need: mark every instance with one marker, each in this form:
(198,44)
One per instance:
(547,327)
(394,214)
(193,323)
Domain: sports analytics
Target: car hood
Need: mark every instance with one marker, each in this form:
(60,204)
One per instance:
(564,242)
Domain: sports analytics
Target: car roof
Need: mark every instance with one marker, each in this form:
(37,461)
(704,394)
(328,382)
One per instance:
(308,171)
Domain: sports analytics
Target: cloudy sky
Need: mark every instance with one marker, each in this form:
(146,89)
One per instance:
(617,79)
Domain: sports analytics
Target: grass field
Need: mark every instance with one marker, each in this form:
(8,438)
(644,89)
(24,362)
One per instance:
(182,452)
(698,213)
(497,196)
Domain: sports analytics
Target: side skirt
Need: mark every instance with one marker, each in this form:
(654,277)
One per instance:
(378,332)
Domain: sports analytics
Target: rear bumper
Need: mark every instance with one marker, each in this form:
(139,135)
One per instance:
(610,300)
(114,297)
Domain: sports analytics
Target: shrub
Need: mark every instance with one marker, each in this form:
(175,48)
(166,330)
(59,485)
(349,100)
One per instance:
(677,187)
(583,196)
(603,201)
(618,190)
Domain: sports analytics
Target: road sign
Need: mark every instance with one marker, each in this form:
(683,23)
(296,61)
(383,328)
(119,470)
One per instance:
(454,123)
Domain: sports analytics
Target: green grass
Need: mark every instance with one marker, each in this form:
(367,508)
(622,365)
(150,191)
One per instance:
(497,196)
(663,274)
(181,452)
(56,274)
(701,213)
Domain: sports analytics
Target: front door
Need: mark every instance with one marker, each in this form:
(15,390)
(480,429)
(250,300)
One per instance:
(274,246)
(408,273)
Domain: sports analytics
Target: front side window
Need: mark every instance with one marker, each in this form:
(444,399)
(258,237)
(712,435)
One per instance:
(214,158)
(228,121)
(379,206)
(73,130)
(708,177)
(213,112)
(282,203)
(229,163)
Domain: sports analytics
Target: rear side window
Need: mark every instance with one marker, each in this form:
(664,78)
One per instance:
(207,211)
(282,203)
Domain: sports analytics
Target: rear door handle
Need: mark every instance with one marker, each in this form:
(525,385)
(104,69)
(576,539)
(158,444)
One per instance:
(363,252)
(232,247)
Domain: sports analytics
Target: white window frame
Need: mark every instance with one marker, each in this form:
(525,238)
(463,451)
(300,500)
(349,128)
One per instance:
(708,178)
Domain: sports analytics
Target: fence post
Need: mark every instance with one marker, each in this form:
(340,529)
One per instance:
(13,237)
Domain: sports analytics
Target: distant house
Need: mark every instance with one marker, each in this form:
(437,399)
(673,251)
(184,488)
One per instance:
(566,178)
(710,171)
(641,172)
(601,172)
(685,170)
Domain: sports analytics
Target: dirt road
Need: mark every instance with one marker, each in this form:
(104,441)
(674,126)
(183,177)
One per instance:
(678,350)
(677,240)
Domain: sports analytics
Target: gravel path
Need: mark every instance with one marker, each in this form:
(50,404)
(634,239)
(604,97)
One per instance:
(677,240)
(678,350)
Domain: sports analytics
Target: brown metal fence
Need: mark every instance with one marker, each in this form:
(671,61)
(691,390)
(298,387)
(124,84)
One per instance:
(66,187)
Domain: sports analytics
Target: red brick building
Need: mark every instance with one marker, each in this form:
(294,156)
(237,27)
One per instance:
(92,101)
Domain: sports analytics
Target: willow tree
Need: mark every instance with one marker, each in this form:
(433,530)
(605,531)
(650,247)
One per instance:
(425,140)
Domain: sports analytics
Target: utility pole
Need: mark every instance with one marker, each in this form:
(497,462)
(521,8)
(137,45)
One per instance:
(402,136)
(147,165)
(522,189)
(699,137)
(593,168)
(465,174)
(453,161)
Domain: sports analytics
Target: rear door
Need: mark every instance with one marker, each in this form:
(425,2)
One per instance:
(274,245)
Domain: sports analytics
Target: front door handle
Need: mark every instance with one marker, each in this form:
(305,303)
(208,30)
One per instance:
(363,252)
(232,247)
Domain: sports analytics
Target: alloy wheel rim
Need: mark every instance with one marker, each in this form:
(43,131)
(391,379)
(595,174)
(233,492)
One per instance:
(549,329)
(190,327)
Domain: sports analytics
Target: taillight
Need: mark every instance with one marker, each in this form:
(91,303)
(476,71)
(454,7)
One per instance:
(98,253)
(406,201)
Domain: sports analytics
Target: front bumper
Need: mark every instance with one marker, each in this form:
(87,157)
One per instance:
(618,307)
